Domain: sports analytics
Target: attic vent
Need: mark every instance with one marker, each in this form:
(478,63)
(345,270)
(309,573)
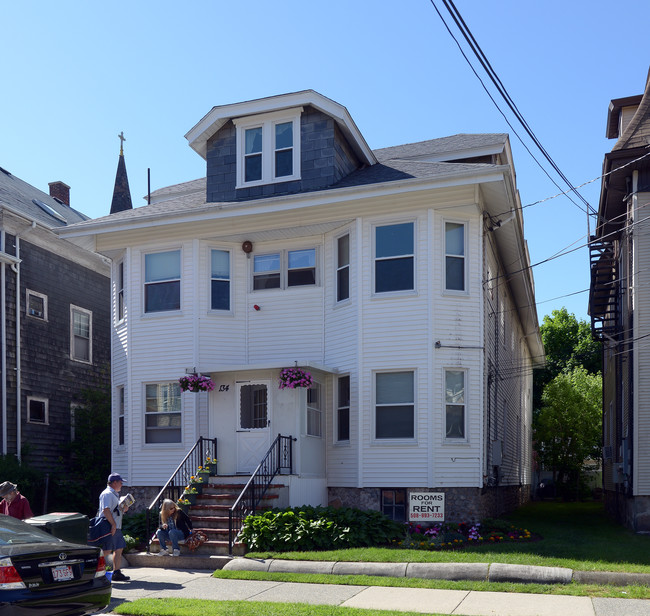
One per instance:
(48,210)
(5,171)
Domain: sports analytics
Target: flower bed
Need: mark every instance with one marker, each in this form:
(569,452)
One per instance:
(452,536)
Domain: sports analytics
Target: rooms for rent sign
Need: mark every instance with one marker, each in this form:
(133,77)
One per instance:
(427,507)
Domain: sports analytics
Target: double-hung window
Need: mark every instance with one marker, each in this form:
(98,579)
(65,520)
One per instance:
(220,280)
(162,281)
(454,256)
(314,411)
(120,416)
(394,258)
(163,412)
(36,305)
(268,148)
(120,290)
(81,329)
(343,268)
(287,268)
(455,404)
(343,409)
(38,410)
(394,405)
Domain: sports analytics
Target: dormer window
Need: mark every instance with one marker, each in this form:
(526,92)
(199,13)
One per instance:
(268,148)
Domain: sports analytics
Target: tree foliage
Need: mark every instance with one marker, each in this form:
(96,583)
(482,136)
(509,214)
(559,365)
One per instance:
(568,344)
(90,450)
(568,427)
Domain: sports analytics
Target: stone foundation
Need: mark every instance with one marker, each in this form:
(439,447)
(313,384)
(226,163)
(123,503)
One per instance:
(143,496)
(461,504)
(633,512)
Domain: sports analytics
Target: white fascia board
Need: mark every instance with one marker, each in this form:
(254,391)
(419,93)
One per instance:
(286,202)
(312,365)
(198,135)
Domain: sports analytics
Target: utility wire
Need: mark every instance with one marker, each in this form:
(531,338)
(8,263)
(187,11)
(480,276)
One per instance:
(589,209)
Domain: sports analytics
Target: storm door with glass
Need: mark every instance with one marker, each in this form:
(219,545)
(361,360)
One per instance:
(253,417)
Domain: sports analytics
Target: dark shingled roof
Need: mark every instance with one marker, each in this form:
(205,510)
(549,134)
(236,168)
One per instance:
(422,160)
(121,193)
(19,196)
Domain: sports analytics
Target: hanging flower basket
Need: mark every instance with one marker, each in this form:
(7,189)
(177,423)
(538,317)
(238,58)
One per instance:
(291,378)
(196,383)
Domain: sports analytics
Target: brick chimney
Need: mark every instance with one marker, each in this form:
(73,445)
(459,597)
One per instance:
(60,191)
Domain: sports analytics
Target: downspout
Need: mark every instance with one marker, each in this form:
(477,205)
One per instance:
(19,410)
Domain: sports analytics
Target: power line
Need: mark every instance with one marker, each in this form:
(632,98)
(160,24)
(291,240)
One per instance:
(478,52)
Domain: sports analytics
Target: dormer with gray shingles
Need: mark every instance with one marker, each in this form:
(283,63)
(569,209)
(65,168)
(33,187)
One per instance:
(279,145)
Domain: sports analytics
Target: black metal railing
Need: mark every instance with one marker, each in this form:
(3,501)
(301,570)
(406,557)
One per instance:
(204,448)
(278,458)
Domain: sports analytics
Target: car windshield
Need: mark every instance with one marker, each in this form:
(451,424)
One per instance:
(13,532)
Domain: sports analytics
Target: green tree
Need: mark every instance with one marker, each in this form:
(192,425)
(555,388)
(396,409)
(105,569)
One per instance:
(567,430)
(567,343)
(89,451)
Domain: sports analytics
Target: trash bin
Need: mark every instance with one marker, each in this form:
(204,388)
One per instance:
(72,527)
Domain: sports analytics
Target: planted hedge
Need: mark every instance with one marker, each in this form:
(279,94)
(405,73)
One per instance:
(318,528)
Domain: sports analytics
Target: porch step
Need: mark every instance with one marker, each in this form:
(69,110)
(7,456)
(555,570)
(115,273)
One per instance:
(184,561)
(210,514)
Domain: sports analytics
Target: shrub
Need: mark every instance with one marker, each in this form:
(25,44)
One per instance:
(318,528)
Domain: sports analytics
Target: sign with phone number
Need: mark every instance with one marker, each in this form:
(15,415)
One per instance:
(426,507)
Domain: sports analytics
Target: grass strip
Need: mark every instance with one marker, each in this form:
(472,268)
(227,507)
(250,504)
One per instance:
(205,607)
(572,589)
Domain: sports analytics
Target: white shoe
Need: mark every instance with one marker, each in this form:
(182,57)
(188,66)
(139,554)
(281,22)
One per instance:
(177,553)
(163,553)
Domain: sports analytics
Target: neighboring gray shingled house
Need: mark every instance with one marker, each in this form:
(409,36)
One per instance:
(54,322)
(399,278)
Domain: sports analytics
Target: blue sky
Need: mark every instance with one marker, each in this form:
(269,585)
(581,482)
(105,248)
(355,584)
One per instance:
(76,74)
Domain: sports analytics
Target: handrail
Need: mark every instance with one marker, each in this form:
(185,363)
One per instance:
(278,457)
(203,448)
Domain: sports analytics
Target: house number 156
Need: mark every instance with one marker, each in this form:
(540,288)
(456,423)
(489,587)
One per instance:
(224,387)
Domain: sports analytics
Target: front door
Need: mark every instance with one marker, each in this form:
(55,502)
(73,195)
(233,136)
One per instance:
(254,418)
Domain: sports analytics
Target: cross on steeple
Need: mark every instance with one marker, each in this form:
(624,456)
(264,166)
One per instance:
(122,140)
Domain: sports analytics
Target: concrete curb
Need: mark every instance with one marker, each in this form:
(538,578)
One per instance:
(474,572)
(529,574)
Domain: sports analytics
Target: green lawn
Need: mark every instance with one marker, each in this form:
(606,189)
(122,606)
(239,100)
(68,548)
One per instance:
(575,535)
(203,607)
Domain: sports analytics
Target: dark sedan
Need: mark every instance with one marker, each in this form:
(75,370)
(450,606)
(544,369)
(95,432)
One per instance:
(40,574)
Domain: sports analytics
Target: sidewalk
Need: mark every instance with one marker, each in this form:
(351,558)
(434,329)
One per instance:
(164,583)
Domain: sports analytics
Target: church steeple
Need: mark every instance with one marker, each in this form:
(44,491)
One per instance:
(121,192)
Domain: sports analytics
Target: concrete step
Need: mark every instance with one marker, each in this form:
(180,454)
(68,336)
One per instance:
(185,561)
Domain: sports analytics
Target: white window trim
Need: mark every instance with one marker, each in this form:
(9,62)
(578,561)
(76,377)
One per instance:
(28,293)
(402,440)
(157,313)
(318,410)
(448,440)
(269,396)
(267,122)
(465,257)
(337,268)
(121,414)
(47,410)
(74,309)
(217,311)
(119,291)
(335,435)
(382,294)
(174,445)
(284,269)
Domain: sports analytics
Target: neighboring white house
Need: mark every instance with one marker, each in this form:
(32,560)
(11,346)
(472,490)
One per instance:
(400,278)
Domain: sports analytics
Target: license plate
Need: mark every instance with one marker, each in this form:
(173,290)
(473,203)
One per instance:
(62,573)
